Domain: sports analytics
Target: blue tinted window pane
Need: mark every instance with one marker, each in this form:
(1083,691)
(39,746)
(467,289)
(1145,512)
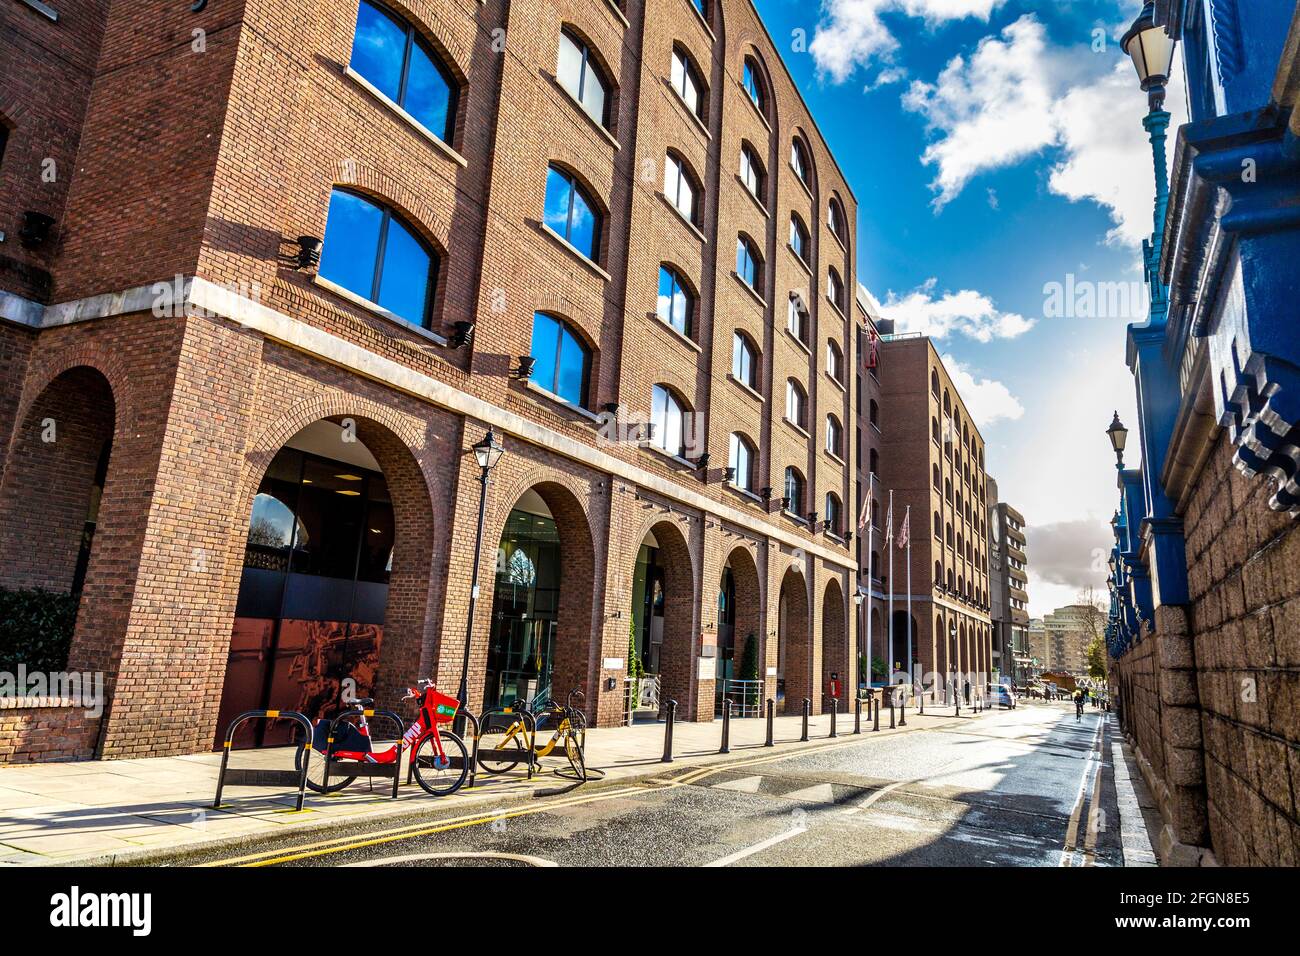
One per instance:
(404,285)
(428,94)
(379,49)
(573,369)
(558,192)
(351,243)
(545,348)
(582,227)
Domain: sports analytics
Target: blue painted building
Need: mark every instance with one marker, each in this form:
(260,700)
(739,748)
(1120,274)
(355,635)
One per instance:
(1206,547)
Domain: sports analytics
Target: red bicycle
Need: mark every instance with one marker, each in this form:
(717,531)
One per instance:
(439,759)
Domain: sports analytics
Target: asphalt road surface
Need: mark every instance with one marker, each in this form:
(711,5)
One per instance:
(1027,787)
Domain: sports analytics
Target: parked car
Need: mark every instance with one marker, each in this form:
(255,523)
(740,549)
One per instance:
(1002,697)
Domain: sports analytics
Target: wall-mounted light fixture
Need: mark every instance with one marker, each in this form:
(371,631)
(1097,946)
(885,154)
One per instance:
(308,252)
(702,462)
(463,332)
(729,475)
(36,228)
(524,370)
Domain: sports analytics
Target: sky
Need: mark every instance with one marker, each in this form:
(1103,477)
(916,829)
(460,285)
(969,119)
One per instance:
(1004,185)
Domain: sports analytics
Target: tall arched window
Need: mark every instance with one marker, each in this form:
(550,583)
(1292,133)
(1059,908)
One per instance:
(934,383)
(797,320)
(835,288)
(370,251)
(799,161)
(873,415)
(794,486)
(751,171)
(667,415)
(744,360)
(584,81)
(875,462)
(834,436)
(835,220)
(796,403)
(938,526)
(799,237)
(833,517)
(749,264)
(740,460)
(685,80)
(834,361)
(562,362)
(752,79)
(571,214)
(681,188)
(676,303)
(392,57)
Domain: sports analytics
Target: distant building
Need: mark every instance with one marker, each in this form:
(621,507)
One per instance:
(1008,581)
(1068,632)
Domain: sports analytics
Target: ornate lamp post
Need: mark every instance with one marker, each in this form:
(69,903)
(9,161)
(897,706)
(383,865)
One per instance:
(1118,439)
(487,452)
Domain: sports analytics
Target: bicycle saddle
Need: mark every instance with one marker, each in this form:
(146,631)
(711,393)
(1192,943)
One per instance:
(364,702)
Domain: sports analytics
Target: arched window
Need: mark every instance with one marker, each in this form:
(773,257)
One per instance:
(741,461)
(938,572)
(676,302)
(835,220)
(799,161)
(562,363)
(794,486)
(834,361)
(938,486)
(752,80)
(393,58)
(751,171)
(681,188)
(934,383)
(947,404)
(874,413)
(834,436)
(833,513)
(370,251)
(799,237)
(580,76)
(796,401)
(934,429)
(685,79)
(947,488)
(875,462)
(950,579)
(749,264)
(744,360)
(797,319)
(667,416)
(571,214)
(938,526)
(835,288)
(948,533)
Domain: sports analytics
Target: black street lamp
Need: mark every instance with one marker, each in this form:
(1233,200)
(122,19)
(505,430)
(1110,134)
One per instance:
(1152,52)
(1118,439)
(488,452)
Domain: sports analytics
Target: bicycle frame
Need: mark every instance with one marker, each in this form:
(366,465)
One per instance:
(424,726)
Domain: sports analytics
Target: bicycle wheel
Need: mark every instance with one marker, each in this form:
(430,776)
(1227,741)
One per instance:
(440,776)
(498,740)
(316,773)
(573,750)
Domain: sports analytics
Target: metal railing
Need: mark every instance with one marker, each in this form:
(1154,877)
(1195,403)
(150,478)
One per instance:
(746,698)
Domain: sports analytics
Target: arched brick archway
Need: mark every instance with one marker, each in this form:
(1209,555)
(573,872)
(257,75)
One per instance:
(677,665)
(835,643)
(573,653)
(402,653)
(747,603)
(794,639)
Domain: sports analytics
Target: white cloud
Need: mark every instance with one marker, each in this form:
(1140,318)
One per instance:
(1018,95)
(852,34)
(987,400)
(969,312)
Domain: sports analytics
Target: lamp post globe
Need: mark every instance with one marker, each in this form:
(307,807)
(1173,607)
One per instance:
(1118,438)
(1152,51)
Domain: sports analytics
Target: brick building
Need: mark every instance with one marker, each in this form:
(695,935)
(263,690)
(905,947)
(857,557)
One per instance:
(1008,584)
(933,460)
(1204,629)
(872,603)
(270,270)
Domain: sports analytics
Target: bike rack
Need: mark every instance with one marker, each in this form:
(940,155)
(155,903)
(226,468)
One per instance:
(364,768)
(249,777)
(507,753)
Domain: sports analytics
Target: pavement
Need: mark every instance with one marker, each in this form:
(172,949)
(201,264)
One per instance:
(1030,787)
(140,811)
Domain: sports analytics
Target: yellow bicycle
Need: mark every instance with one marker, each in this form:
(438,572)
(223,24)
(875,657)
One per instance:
(517,735)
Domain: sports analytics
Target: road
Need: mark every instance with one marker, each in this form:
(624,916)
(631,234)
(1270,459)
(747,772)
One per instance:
(1027,787)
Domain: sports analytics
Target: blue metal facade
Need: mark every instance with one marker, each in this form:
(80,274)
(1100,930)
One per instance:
(1223,271)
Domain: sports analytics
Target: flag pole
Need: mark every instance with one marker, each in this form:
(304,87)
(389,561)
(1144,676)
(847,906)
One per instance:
(871,542)
(911,677)
(889,531)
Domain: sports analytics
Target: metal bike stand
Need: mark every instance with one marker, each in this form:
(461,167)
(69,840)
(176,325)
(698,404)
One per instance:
(249,777)
(505,753)
(364,768)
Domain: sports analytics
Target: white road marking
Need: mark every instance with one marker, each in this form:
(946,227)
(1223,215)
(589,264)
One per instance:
(744,785)
(818,793)
(758,847)
(463,855)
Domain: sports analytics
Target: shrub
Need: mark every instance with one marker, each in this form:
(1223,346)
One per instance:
(36,629)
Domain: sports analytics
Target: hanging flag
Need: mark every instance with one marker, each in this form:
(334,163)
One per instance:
(907,526)
(866,509)
(889,518)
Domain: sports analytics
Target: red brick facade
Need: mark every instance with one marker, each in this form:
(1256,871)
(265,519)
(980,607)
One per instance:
(200,145)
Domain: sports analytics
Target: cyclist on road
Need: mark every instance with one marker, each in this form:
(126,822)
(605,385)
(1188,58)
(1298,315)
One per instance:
(1078,706)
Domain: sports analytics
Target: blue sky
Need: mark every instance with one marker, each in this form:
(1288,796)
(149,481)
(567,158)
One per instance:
(996,146)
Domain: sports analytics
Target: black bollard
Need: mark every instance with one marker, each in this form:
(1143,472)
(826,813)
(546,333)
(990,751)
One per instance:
(902,711)
(892,715)
(726,728)
(857,715)
(668,731)
(771,705)
(807,709)
(875,720)
(921,698)
(835,709)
